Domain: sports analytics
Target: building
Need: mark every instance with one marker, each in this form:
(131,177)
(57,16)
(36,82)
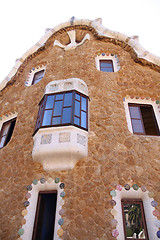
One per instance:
(80,138)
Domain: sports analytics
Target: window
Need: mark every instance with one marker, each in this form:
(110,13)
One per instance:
(134,219)
(45,216)
(6,132)
(60,109)
(106,66)
(37,77)
(143,119)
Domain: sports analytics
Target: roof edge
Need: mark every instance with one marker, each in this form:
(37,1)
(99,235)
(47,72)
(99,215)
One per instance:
(101,31)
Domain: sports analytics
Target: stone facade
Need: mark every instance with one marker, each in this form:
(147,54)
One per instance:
(115,155)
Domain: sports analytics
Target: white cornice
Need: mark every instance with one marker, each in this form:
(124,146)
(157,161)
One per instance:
(101,31)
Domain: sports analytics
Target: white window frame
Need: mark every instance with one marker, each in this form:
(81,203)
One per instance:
(30,217)
(148,211)
(114,60)
(140,101)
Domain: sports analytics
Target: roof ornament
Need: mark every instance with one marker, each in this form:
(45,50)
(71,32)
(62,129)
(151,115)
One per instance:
(73,44)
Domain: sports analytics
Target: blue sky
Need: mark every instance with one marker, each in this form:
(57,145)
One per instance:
(23,23)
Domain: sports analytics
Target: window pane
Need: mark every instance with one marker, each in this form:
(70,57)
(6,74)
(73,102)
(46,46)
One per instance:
(77,108)
(2,140)
(47,118)
(76,120)
(57,108)
(77,96)
(67,99)
(66,117)
(49,102)
(83,120)
(137,126)
(59,96)
(107,69)
(134,112)
(83,104)
(56,120)
(133,219)
(5,128)
(106,64)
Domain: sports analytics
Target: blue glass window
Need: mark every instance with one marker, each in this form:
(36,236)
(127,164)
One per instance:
(106,66)
(68,108)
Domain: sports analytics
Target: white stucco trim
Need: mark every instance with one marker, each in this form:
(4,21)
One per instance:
(30,217)
(156,109)
(101,31)
(148,210)
(103,56)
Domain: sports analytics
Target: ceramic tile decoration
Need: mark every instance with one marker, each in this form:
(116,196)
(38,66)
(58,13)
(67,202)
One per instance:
(115,233)
(57,180)
(113,193)
(62,194)
(62,185)
(21,231)
(60,221)
(127,187)
(113,203)
(29,187)
(156,213)
(35,182)
(26,203)
(61,212)
(42,180)
(29,213)
(135,187)
(119,187)
(134,192)
(154,204)
(144,188)
(158,234)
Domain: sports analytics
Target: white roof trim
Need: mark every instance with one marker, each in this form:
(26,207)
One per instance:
(101,31)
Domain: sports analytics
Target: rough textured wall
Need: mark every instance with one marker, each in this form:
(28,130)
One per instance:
(115,155)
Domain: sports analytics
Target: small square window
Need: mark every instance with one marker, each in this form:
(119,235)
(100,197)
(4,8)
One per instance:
(143,119)
(106,65)
(134,219)
(37,77)
(45,216)
(6,132)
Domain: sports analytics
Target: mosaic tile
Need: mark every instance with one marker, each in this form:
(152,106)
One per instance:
(24,212)
(158,234)
(119,187)
(114,222)
(115,233)
(26,203)
(156,213)
(144,188)
(151,194)
(29,187)
(135,187)
(28,195)
(49,180)
(61,212)
(42,180)
(112,203)
(113,212)
(62,194)
(113,193)
(35,182)
(62,185)
(60,221)
(21,231)
(57,180)
(154,204)
(60,232)
(127,187)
